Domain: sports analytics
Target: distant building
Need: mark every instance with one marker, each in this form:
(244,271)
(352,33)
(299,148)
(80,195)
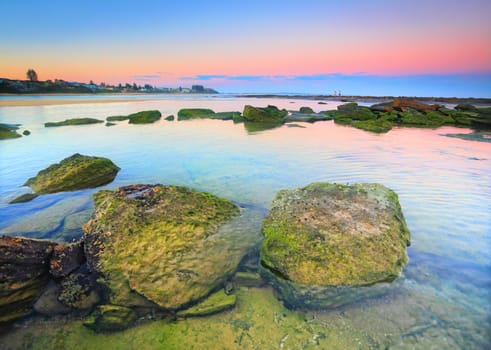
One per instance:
(198,88)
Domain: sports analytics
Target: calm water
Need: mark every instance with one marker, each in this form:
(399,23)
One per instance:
(444,185)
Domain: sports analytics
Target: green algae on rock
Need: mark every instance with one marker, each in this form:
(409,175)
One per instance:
(191,113)
(117,118)
(332,236)
(74,173)
(473,136)
(109,318)
(216,302)
(74,121)
(377,126)
(204,113)
(306,110)
(264,114)
(8,131)
(144,117)
(164,245)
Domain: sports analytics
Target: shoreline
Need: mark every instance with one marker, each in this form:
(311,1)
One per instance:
(27,103)
(373,99)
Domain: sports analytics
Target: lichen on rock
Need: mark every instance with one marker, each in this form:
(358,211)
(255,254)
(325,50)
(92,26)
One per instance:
(164,245)
(332,235)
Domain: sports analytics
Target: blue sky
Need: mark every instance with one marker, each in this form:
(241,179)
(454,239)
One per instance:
(430,47)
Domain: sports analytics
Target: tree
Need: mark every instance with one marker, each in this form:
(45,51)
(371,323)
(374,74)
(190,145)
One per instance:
(32,75)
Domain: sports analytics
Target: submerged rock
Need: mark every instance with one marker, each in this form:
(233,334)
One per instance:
(48,303)
(217,302)
(24,272)
(164,245)
(323,241)
(108,318)
(73,173)
(79,290)
(74,121)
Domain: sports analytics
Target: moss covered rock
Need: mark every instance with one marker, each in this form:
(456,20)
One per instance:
(264,114)
(377,126)
(353,111)
(191,113)
(327,236)
(109,318)
(144,117)
(164,245)
(306,110)
(74,173)
(74,121)
(117,118)
(217,302)
(8,131)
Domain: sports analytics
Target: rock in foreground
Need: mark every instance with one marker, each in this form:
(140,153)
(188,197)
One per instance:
(73,173)
(24,272)
(325,240)
(164,245)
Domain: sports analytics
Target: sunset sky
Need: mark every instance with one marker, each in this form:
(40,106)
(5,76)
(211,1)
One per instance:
(418,47)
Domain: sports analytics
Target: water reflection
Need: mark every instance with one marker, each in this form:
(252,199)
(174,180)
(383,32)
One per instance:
(443,184)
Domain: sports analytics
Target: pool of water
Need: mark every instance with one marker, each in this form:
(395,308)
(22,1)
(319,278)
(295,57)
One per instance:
(444,186)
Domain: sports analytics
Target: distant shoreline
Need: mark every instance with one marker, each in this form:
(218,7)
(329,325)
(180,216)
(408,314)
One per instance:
(373,99)
(110,98)
(26,103)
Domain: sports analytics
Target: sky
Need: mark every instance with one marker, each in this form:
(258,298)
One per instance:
(358,47)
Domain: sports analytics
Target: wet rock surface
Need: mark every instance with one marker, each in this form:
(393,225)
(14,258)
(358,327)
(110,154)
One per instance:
(66,258)
(163,245)
(24,273)
(327,239)
(73,173)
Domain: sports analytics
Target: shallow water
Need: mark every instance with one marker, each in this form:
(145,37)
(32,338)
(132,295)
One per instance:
(444,185)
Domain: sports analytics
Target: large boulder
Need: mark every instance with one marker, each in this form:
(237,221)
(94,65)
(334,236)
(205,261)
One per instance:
(325,243)
(164,246)
(24,272)
(353,111)
(73,173)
